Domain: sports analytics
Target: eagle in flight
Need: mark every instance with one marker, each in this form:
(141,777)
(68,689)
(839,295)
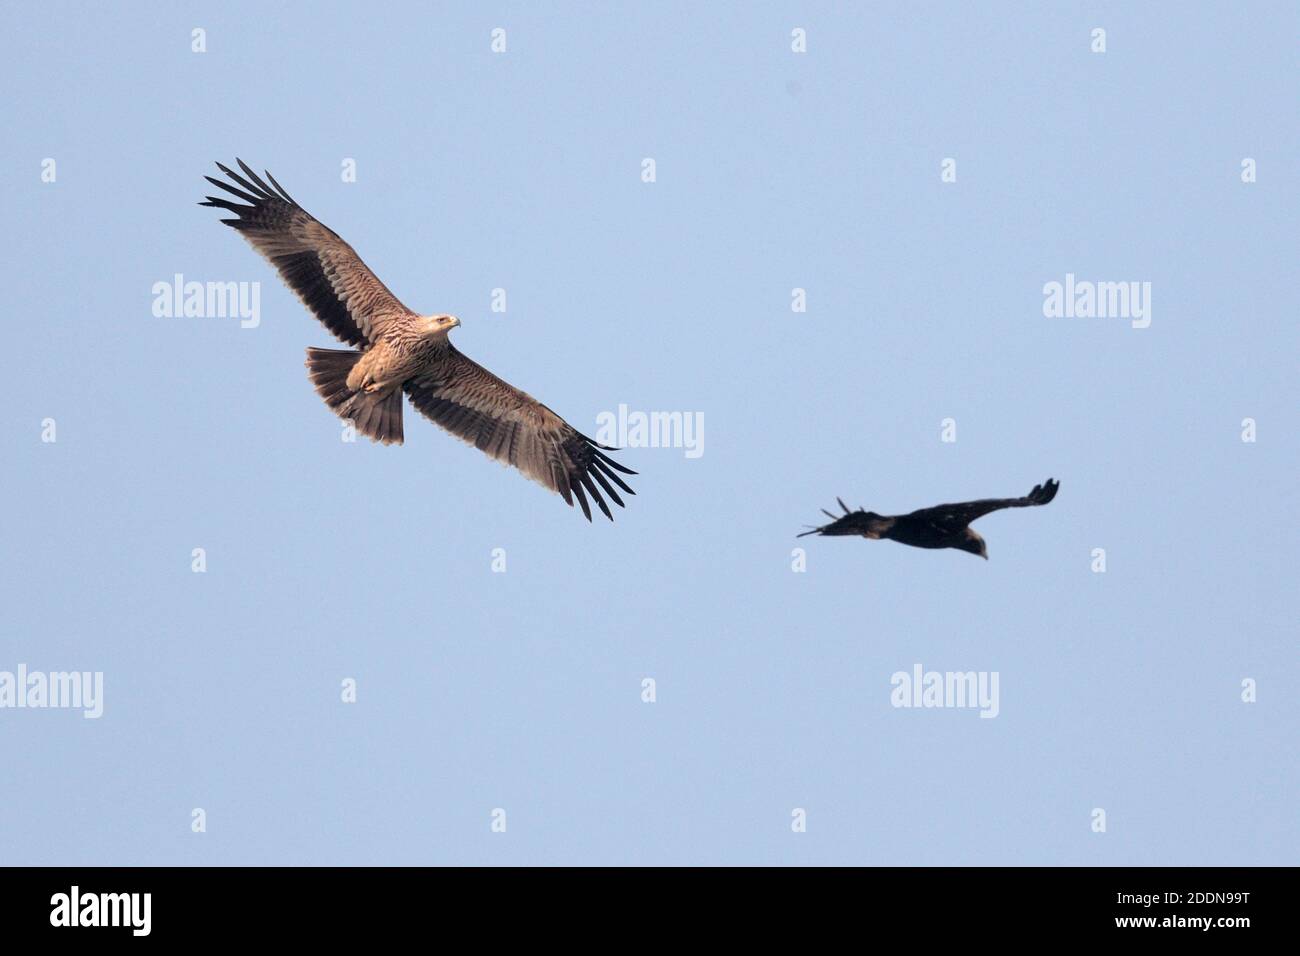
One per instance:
(396,351)
(943,526)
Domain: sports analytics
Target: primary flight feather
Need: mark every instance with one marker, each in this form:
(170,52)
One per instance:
(396,351)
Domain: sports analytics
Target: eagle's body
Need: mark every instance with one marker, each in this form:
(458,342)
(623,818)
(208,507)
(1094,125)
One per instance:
(943,526)
(397,351)
(394,358)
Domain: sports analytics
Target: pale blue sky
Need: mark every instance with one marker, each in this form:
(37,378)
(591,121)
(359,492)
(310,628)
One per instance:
(522,690)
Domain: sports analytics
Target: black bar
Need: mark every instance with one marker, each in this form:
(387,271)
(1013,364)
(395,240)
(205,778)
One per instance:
(209,905)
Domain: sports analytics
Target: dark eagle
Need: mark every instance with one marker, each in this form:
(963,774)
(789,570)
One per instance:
(943,526)
(397,351)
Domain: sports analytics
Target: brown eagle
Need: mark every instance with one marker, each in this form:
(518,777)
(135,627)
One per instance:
(396,351)
(943,526)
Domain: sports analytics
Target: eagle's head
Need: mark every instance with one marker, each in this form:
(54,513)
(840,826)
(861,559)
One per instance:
(440,324)
(973,543)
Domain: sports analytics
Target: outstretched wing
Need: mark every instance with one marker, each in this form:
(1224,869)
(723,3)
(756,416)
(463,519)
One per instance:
(867,524)
(325,272)
(967,511)
(513,427)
